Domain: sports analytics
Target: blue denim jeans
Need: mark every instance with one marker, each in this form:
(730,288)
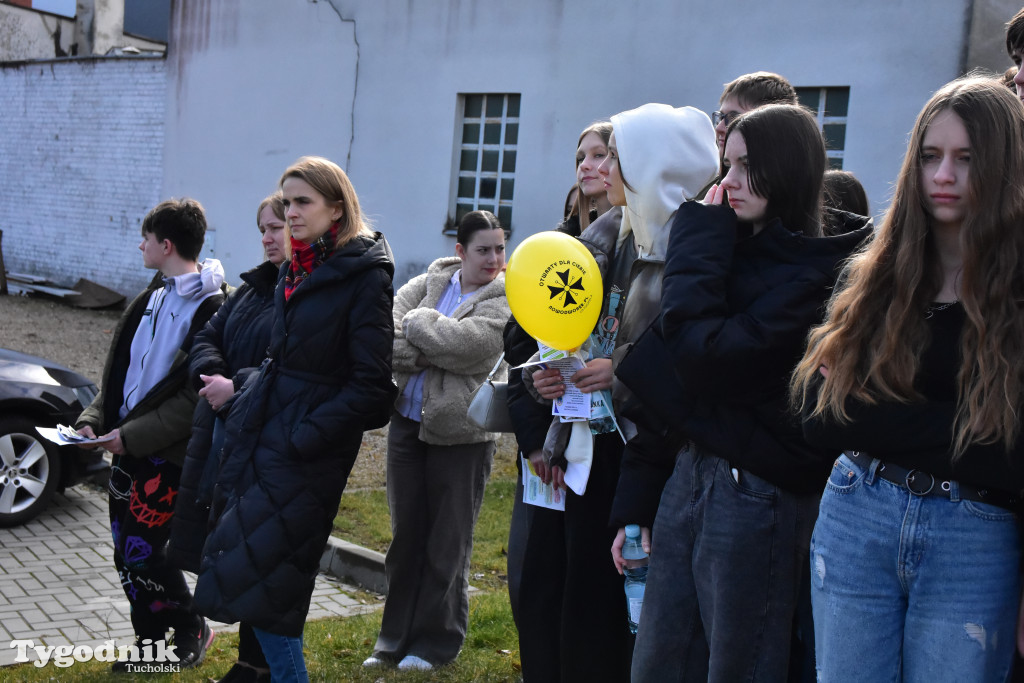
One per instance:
(727,563)
(284,655)
(911,588)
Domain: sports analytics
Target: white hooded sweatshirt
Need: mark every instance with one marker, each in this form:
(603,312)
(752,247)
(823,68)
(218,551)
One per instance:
(667,155)
(163,327)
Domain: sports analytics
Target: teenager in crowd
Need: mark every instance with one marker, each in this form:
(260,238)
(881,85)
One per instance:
(748,92)
(145,406)
(447,325)
(915,377)
(657,155)
(551,554)
(293,433)
(746,276)
(226,352)
(844,192)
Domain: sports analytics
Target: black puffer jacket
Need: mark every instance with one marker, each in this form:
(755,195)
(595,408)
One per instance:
(292,437)
(734,321)
(232,344)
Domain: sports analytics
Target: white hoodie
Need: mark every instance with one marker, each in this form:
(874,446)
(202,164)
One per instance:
(667,155)
(163,328)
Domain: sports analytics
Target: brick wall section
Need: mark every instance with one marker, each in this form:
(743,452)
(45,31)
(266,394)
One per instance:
(81,162)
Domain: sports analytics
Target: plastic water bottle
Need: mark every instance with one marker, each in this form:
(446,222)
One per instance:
(636,574)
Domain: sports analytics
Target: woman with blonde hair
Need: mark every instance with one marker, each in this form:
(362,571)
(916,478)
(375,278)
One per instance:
(915,376)
(551,582)
(293,433)
(591,200)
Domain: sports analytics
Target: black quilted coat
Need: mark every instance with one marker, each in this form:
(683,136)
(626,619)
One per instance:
(292,437)
(233,344)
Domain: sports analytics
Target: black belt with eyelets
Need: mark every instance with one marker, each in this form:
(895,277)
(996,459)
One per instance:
(923,484)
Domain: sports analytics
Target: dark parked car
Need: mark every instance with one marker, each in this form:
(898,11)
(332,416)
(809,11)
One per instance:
(37,392)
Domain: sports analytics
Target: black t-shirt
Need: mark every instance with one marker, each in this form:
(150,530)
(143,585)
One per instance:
(919,435)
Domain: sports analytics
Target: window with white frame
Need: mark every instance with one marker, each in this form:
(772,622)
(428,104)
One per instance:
(485,156)
(829,105)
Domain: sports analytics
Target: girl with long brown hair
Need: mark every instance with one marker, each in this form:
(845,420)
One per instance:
(915,376)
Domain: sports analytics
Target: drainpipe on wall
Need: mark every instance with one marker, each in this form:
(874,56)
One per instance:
(965,44)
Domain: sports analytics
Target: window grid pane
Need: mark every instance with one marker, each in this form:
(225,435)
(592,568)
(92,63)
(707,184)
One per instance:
(485,178)
(830,107)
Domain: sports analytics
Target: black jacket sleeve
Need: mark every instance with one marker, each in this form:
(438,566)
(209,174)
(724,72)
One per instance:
(723,352)
(647,463)
(207,354)
(529,418)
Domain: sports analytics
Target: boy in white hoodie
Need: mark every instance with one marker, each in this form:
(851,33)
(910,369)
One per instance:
(144,410)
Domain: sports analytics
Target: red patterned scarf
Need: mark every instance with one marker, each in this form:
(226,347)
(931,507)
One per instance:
(307,257)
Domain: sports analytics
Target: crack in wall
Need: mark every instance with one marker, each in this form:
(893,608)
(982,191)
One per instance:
(355,86)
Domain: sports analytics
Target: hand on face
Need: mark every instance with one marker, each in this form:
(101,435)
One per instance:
(715,195)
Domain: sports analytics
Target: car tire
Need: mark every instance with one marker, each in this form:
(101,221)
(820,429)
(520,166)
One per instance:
(29,471)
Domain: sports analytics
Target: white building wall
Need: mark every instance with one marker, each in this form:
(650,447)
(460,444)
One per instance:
(28,34)
(251,91)
(252,86)
(81,145)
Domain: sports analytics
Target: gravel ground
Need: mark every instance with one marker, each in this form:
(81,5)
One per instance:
(79,338)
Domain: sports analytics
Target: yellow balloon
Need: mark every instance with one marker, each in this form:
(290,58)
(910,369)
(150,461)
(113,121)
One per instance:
(554,289)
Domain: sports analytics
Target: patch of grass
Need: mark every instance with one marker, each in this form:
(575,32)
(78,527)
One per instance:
(363,519)
(335,650)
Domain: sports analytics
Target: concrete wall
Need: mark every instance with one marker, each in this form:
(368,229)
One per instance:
(250,91)
(98,27)
(28,34)
(81,144)
(987,46)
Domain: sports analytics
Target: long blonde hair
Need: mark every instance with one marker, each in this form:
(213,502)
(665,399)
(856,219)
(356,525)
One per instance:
(875,326)
(603,129)
(327,178)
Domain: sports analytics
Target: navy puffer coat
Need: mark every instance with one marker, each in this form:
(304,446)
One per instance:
(233,344)
(292,437)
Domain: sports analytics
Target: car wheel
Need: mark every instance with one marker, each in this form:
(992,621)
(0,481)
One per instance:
(29,471)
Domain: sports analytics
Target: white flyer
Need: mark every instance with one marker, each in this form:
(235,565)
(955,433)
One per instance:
(536,492)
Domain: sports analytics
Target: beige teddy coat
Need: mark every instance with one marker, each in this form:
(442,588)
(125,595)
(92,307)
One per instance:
(458,351)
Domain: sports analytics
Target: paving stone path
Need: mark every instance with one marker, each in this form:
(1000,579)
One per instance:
(58,585)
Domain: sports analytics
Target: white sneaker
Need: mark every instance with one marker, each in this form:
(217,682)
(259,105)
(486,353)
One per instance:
(373,661)
(414,662)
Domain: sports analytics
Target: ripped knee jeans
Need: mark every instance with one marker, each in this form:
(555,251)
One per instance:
(908,587)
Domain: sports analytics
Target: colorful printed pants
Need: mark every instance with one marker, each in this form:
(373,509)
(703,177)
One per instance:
(141,496)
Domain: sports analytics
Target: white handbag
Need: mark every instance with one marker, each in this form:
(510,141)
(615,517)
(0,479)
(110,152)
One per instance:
(488,406)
